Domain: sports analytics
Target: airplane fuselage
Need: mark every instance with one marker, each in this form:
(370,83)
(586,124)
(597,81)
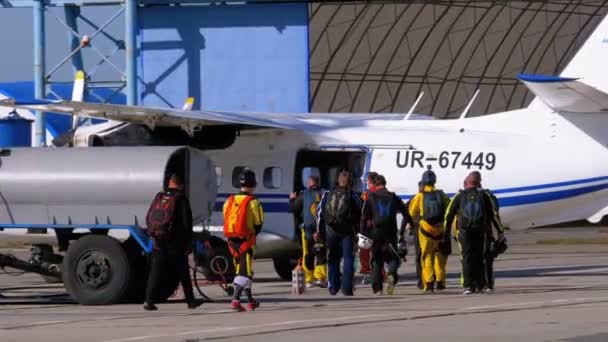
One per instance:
(543,169)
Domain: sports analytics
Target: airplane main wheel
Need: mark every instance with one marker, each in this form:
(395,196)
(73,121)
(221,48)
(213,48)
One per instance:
(218,267)
(168,286)
(283,266)
(96,270)
(139,276)
(139,271)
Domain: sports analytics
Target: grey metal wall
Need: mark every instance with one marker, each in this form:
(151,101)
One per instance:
(377,57)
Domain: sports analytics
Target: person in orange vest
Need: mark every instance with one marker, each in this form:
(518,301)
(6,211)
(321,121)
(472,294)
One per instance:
(243,220)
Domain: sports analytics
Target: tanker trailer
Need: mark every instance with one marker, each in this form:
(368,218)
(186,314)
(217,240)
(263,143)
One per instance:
(85,193)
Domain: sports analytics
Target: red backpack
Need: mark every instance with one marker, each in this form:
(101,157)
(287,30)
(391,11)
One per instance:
(160,216)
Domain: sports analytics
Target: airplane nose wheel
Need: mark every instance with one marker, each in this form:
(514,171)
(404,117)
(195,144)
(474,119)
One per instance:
(94,270)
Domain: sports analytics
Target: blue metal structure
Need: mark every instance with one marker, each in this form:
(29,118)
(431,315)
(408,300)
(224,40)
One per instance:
(56,124)
(228,57)
(139,234)
(131,29)
(39,69)
(15,131)
(232,56)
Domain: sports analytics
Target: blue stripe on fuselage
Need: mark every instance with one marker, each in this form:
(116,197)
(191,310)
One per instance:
(505,201)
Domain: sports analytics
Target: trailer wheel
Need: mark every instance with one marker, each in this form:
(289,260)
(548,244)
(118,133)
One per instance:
(96,270)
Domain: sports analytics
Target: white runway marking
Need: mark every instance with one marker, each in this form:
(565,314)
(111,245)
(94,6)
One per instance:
(345,318)
(582,299)
(268,325)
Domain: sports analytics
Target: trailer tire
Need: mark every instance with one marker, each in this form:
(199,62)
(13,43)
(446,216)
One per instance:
(96,270)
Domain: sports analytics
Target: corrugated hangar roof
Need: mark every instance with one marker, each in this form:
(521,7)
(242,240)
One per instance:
(378,56)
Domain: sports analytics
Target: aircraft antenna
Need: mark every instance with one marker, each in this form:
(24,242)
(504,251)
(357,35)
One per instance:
(469,105)
(411,111)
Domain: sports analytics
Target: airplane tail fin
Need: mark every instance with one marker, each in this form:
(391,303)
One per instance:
(567,95)
(582,105)
(589,62)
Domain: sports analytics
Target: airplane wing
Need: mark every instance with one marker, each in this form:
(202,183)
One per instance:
(566,94)
(191,120)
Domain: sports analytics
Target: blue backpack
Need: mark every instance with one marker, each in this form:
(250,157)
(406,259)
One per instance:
(472,215)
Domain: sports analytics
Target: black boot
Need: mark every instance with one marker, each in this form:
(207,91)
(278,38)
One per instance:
(195,303)
(150,307)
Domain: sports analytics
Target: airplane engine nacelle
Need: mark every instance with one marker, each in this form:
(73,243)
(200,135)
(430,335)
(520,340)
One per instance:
(121,134)
(102,185)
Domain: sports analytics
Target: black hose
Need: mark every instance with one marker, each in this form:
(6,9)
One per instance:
(198,288)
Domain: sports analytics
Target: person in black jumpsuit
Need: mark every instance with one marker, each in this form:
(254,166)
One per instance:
(173,251)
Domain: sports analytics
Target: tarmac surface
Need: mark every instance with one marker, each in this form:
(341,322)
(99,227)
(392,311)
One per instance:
(545,292)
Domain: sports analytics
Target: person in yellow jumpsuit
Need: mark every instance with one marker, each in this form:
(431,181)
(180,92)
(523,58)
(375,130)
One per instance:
(304,207)
(428,208)
(241,228)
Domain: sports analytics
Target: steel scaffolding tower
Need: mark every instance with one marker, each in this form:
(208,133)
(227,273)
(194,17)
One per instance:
(43,71)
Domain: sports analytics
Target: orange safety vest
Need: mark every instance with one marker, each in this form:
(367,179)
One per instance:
(235,219)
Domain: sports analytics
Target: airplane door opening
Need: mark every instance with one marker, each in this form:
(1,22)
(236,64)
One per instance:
(327,165)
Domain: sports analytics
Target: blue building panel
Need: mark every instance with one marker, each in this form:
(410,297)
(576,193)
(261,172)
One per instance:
(249,57)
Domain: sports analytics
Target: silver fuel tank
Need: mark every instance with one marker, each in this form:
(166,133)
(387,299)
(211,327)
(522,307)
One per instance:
(98,185)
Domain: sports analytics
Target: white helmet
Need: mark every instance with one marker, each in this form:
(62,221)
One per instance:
(364,242)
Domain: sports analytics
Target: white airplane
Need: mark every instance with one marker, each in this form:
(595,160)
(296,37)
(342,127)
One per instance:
(547,163)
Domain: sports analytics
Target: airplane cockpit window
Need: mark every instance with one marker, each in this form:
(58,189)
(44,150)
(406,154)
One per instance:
(236,172)
(218,176)
(273,177)
(307,172)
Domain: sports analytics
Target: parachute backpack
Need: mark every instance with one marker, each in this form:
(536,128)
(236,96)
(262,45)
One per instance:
(472,215)
(312,198)
(382,207)
(337,210)
(235,218)
(433,207)
(160,216)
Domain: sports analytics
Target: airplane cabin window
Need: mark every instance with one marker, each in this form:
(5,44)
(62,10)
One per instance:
(307,172)
(236,172)
(272,177)
(332,175)
(218,176)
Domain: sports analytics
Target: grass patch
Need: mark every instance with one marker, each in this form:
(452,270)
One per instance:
(574,241)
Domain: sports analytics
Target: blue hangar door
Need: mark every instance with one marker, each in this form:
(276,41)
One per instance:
(249,57)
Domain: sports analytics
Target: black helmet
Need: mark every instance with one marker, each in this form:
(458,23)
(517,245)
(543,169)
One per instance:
(501,244)
(402,249)
(429,177)
(247,178)
(498,246)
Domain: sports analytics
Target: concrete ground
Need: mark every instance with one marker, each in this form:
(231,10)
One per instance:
(545,292)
